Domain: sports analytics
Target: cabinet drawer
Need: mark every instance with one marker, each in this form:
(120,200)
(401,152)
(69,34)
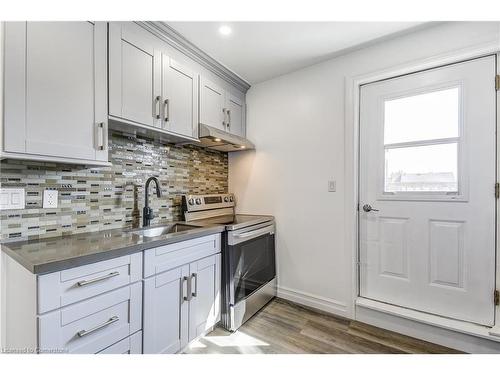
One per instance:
(92,325)
(62,288)
(166,257)
(129,345)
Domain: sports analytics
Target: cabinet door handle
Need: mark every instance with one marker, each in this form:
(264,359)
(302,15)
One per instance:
(111,320)
(183,296)
(100,278)
(167,109)
(224,118)
(104,129)
(156,107)
(228,119)
(195,277)
(189,294)
(100,135)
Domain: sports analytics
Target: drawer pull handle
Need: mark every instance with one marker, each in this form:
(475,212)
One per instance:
(100,326)
(100,278)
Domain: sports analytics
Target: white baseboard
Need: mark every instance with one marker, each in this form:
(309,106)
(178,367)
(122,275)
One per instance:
(317,302)
(392,319)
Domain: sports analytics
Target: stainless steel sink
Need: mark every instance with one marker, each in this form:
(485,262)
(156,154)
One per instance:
(163,230)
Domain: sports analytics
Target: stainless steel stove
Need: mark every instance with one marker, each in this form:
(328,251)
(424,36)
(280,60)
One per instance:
(248,255)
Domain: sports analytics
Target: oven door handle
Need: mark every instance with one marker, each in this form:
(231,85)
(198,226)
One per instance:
(254,233)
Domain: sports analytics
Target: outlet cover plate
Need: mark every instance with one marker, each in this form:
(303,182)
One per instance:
(50,198)
(332,186)
(12,199)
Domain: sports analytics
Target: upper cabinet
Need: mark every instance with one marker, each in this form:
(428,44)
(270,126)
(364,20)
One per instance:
(65,83)
(55,91)
(180,98)
(147,87)
(235,114)
(221,109)
(212,104)
(134,78)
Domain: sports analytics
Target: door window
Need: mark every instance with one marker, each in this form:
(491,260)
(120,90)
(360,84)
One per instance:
(422,136)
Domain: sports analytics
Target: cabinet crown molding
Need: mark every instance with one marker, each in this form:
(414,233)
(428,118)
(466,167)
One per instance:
(176,40)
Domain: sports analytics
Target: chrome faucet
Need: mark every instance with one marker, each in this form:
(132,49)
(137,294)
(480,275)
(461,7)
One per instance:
(147,212)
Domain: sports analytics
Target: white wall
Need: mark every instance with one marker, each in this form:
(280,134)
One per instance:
(297,124)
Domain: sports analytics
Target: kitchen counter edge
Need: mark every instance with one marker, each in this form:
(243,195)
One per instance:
(63,264)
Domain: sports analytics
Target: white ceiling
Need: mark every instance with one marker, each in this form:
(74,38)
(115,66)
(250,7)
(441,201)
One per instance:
(258,51)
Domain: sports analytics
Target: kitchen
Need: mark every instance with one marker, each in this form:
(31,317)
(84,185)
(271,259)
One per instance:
(91,207)
(154,201)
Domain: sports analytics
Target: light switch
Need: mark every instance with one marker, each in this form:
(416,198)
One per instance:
(50,198)
(5,198)
(15,199)
(332,186)
(12,198)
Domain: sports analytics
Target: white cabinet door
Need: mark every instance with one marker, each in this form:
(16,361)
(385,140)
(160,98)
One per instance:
(212,104)
(165,326)
(204,307)
(134,77)
(235,110)
(57,73)
(180,98)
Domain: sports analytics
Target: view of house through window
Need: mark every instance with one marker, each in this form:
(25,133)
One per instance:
(421,135)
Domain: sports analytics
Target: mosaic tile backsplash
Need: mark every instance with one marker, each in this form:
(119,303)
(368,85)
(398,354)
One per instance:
(92,199)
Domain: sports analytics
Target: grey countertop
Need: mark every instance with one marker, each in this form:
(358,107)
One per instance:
(60,253)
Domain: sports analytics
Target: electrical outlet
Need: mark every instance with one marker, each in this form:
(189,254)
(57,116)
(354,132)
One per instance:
(332,186)
(50,198)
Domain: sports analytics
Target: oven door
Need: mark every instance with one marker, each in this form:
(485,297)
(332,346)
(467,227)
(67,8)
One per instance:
(251,259)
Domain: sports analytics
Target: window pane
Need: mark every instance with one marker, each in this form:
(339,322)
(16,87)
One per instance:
(432,115)
(422,168)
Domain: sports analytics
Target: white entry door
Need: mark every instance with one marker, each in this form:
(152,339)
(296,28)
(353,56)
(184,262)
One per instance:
(426,190)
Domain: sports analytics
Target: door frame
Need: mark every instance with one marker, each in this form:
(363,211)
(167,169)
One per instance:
(351,151)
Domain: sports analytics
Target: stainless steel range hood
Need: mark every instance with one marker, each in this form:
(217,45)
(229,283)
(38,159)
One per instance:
(220,140)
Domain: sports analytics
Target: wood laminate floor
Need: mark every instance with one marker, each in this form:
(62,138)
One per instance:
(282,327)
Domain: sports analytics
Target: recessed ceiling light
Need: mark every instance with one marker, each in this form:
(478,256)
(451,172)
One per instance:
(217,139)
(225,30)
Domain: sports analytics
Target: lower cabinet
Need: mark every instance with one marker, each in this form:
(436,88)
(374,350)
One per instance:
(129,345)
(180,305)
(165,312)
(204,307)
(92,325)
(108,307)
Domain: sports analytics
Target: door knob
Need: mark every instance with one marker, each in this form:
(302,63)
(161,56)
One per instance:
(368,208)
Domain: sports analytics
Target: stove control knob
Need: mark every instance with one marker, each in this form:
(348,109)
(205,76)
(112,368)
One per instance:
(198,200)
(231,198)
(191,201)
(226,199)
